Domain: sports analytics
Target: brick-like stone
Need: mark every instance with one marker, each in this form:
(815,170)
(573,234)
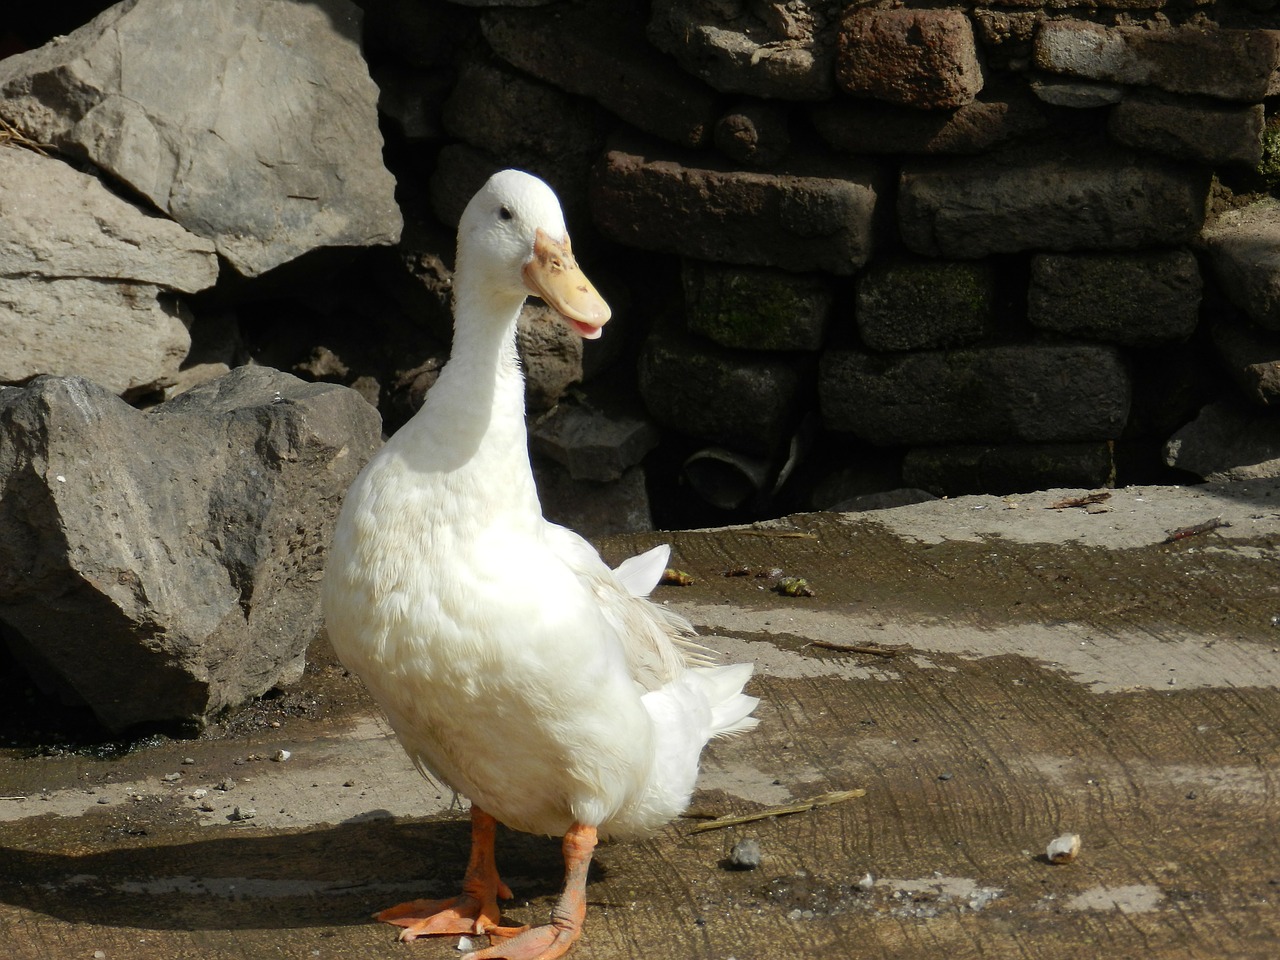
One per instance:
(925,304)
(812,217)
(596,56)
(1228,64)
(1203,131)
(1048,199)
(748,402)
(864,126)
(1031,393)
(954,471)
(1244,248)
(913,58)
(754,308)
(1133,299)
(781,56)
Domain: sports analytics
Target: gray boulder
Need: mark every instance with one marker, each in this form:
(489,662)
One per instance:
(161,566)
(1244,247)
(87,279)
(1228,441)
(256,127)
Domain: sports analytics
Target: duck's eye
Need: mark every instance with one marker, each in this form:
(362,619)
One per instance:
(504,213)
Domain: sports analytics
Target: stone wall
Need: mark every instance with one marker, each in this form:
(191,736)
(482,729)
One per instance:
(951,246)
(851,247)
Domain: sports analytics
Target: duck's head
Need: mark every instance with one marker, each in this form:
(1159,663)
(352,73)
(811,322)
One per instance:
(513,239)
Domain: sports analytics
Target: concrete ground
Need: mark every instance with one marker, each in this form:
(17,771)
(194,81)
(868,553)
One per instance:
(1019,670)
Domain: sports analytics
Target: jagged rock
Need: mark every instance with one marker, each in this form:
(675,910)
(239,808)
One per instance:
(591,444)
(1134,299)
(775,50)
(1252,358)
(593,51)
(865,126)
(160,566)
(925,304)
(1229,64)
(744,401)
(1228,441)
(954,471)
(256,128)
(1244,247)
(86,279)
(926,59)
(1048,199)
(809,216)
(1206,132)
(1032,393)
(755,308)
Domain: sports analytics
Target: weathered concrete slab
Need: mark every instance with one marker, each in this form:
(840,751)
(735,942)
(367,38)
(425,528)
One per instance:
(1051,670)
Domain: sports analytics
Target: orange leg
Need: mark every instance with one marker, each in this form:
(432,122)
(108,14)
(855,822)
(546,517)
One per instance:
(553,939)
(475,910)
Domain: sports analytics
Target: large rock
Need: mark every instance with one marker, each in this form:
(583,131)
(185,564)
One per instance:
(1244,247)
(1035,393)
(926,59)
(87,279)
(1228,441)
(594,51)
(1050,198)
(748,402)
(161,566)
(774,50)
(811,217)
(1229,64)
(256,127)
(1134,299)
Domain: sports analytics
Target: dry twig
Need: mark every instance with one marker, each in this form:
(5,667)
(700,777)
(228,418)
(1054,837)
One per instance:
(801,806)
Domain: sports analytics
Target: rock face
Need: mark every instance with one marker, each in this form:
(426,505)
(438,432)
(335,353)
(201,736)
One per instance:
(161,566)
(256,128)
(87,280)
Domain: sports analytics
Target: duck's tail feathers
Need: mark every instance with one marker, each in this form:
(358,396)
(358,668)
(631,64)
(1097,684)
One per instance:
(641,574)
(730,707)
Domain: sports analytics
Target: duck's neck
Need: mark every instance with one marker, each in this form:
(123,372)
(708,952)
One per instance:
(471,426)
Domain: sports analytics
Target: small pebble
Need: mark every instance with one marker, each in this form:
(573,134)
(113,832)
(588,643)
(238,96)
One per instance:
(466,944)
(104,799)
(745,855)
(281,756)
(188,761)
(226,784)
(867,882)
(206,807)
(199,793)
(99,955)
(238,814)
(1063,849)
(171,777)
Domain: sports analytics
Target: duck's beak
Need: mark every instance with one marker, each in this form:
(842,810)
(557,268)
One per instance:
(555,276)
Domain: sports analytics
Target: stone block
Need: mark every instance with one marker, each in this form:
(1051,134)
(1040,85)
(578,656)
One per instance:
(926,59)
(954,471)
(773,50)
(1228,441)
(1203,131)
(1028,393)
(1047,198)
(748,402)
(1133,299)
(925,304)
(754,308)
(1251,357)
(598,55)
(1228,64)
(591,444)
(867,127)
(1244,248)
(256,128)
(808,217)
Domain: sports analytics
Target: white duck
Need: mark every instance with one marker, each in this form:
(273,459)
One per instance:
(513,664)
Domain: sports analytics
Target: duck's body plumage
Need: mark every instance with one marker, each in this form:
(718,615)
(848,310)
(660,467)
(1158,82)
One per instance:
(512,663)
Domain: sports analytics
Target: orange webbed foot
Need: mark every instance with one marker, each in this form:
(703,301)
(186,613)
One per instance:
(473,911)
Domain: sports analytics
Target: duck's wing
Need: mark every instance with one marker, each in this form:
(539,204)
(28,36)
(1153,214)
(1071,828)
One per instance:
(658,644)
